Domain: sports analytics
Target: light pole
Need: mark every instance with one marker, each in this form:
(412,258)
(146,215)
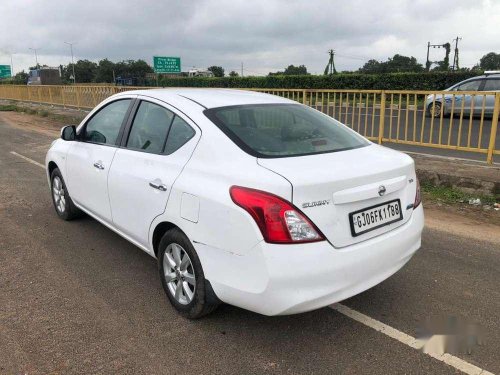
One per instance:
(36,55)
(72,61)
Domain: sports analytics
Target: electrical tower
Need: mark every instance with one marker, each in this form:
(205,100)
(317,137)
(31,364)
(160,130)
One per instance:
(330,67)
(446,60)
(455,55)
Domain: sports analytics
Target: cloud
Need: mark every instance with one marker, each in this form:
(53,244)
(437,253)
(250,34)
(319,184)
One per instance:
(263,34)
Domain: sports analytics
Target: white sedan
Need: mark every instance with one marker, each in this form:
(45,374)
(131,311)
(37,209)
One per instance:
(244,198)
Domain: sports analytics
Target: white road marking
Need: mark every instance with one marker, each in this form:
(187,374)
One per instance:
(412,342)
(459,364)
(28,159)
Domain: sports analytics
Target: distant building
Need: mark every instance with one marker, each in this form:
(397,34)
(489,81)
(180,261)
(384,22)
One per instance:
(200,73)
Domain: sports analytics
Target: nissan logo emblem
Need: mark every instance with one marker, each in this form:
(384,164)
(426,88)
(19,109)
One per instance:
(381,190)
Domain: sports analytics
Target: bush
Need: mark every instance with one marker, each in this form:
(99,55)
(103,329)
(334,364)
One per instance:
(389,81)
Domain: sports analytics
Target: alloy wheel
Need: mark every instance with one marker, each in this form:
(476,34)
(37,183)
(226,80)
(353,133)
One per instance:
(435,109)
(179,273)
(58,193)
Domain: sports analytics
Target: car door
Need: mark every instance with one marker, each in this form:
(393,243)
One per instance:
(90,157)
(492,84)
(474,85)
(159,141)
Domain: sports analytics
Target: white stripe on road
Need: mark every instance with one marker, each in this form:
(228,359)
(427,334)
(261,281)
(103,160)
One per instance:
(402,337)
(28,159)
(412,342)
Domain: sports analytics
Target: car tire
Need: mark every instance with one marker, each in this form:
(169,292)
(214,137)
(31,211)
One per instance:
(182,278)
(64,206)
(437,110)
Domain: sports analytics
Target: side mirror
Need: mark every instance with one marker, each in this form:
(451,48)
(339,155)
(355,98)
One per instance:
(68,133)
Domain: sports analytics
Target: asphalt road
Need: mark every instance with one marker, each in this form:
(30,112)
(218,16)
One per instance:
(77,298)
(362,123)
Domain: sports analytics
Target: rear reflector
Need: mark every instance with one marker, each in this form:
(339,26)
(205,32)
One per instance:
(278,220)
(418,196)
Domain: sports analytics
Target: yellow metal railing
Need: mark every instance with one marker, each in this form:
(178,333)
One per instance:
(456,120)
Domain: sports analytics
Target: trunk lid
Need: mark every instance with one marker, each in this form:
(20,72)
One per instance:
(328,187)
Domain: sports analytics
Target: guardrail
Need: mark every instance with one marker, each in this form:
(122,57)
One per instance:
(456,120)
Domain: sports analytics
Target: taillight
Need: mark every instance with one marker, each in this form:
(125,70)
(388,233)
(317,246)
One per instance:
(418,196)
(278,220)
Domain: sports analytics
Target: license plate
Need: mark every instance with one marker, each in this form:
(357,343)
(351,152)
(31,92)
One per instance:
(374,217)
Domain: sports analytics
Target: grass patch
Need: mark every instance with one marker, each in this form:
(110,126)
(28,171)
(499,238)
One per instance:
(453,196)
(9,108)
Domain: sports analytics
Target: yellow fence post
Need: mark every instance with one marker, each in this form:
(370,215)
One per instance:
(77,91)
(494,126)
(304,97)
(382,117)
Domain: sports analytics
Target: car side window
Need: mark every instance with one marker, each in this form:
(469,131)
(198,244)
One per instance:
(492,85)
(179,134)
(150,128)
(105,125)
(470,86)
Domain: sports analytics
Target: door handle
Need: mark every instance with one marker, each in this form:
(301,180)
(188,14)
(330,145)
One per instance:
(158,185)
(98,165)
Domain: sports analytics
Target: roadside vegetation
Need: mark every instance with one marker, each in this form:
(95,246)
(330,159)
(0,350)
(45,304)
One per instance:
(448,195)
(398,72)
(43,112)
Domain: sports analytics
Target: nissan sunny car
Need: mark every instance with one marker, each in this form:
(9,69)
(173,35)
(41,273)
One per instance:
(244,198)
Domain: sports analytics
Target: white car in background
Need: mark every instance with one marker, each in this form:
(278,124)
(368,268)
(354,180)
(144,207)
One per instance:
(243,197)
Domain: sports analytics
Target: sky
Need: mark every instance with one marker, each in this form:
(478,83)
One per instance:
(265,35)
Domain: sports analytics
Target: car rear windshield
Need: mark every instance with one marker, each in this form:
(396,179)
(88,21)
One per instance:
(282,130)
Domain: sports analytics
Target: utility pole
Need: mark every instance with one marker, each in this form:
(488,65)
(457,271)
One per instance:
(242,69)
(427,62)
(11,66)
(72,61)
(455,55)
(36,56)
(330,67)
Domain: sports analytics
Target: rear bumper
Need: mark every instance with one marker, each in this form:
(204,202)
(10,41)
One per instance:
(289,279)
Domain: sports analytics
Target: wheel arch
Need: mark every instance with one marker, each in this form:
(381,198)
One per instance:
(159,231)
(50,168)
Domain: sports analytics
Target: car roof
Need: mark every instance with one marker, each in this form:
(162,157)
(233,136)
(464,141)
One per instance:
(212,98)
(483,76)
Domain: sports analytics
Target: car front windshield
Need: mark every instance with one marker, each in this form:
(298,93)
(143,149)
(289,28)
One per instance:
(281,130)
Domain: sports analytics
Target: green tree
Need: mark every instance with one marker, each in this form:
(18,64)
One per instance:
(139,68)
(85,71)
(371,67)
(232,73)
(136,69)
(21,78)
(105,70)
(399,63)
(396,64)
(490,61)
(291,70)
(218,71)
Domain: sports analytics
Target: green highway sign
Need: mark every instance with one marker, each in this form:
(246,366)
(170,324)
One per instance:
(5,71)
(163,64)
